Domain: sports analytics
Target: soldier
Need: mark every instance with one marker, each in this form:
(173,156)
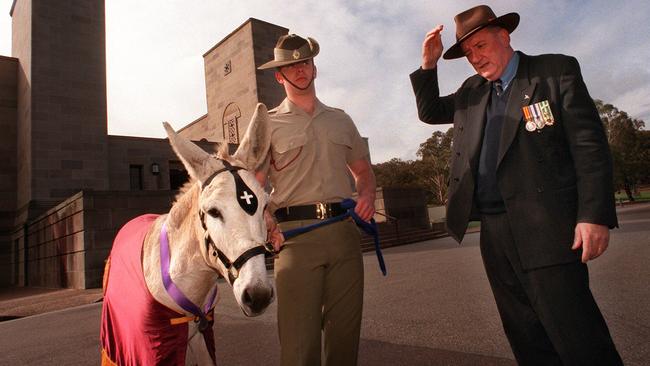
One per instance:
(319,275)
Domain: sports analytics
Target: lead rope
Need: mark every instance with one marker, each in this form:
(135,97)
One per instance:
(369,227)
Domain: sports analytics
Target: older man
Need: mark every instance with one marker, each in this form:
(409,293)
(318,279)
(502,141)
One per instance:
(319,275)
(531,161)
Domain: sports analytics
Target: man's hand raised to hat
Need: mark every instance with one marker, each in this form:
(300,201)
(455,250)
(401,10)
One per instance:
(432,48)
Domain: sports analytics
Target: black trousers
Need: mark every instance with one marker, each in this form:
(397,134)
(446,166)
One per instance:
(549,314)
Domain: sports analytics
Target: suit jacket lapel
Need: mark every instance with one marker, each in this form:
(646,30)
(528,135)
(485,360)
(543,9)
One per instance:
(476,114)
(521,93)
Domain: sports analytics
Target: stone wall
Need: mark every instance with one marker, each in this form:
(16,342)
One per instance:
(67,246)
(125,151)
(21,36)
(8,166)
(265,36)
(437,213)
(197,129)
(408,205)
(104,214)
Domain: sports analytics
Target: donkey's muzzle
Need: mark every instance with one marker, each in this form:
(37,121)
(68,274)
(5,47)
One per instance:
(257,299)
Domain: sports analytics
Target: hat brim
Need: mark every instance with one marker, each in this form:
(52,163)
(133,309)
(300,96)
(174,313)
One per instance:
(508,21)
(274,64)
(314,47)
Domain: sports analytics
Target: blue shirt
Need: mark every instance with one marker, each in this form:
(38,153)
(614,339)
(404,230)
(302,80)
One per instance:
(510,71)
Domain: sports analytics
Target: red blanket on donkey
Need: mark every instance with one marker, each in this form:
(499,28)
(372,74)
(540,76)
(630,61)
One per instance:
(136,329)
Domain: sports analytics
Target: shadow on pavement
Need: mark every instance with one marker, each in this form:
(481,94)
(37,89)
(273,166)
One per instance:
(261,338)
(373,352)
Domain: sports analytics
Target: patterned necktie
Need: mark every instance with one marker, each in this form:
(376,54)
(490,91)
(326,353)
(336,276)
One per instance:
(498,87)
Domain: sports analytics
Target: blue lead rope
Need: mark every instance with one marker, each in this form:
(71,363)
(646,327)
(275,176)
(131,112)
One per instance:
(369,227)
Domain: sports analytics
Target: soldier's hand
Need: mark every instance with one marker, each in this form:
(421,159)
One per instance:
(273,233)
(432,48)
(365,207)
(592,238)
(276,238)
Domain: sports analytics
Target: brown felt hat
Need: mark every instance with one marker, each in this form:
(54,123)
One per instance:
(291,49)
(473,20)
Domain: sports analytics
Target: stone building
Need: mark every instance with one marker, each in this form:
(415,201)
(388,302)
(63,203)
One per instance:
(66,186)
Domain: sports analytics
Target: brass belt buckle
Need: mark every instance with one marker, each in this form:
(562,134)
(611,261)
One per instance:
(321,211)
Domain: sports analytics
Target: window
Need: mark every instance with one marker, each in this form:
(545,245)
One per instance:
(177,175)
(135,175)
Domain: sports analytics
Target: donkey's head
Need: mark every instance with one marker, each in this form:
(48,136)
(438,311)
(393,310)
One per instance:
(230,209)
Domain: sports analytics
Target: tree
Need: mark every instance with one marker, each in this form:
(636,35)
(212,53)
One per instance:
(644,149)
(430,172)
(396,173)
(435,154)
(629,146)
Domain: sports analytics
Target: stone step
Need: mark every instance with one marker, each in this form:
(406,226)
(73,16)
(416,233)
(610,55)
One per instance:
(387,240)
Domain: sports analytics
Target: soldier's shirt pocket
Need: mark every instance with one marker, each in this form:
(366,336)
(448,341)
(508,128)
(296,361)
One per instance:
(340,147)
(340,139)
(286,150)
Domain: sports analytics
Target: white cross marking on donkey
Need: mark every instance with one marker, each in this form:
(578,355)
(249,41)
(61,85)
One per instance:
(247,197)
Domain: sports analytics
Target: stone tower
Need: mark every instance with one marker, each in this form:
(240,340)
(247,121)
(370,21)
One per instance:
(61,111)
(234,85)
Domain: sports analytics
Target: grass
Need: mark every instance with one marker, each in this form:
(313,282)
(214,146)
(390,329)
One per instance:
(642,196)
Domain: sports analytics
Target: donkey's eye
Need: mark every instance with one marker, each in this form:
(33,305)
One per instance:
(214,213)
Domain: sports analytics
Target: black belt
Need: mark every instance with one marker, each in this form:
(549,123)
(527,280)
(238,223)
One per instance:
(320,211)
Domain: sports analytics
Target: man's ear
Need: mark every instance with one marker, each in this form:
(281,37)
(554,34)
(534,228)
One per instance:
(279,78)
(315,71)
(504,36)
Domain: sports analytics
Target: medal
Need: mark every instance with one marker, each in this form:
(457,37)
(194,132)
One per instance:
(528,118)
(547,115)
(538,116)
(539,122)
(530,126)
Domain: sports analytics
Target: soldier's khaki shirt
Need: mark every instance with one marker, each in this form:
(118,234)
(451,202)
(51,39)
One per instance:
(309,155)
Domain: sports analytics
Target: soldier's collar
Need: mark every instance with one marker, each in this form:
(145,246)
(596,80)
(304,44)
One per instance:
(287,107)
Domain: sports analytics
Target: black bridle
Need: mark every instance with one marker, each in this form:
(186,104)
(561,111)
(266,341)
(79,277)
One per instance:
(233,267)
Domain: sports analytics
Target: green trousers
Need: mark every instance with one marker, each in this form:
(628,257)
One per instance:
(319,282)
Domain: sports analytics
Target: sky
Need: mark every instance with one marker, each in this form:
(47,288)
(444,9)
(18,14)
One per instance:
(155,65)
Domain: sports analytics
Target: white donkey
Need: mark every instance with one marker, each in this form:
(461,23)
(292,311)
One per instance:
(160,279)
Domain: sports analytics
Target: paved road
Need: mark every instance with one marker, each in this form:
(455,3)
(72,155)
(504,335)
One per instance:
(434,308)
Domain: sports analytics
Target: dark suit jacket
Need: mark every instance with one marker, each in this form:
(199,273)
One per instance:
(549,179)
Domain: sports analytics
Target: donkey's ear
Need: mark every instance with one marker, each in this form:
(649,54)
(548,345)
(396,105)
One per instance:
(195,159)
(257,140)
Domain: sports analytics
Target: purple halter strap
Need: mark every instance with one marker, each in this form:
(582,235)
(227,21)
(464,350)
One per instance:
(174,292)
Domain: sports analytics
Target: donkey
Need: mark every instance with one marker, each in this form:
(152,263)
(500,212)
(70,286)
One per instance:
(156,283)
